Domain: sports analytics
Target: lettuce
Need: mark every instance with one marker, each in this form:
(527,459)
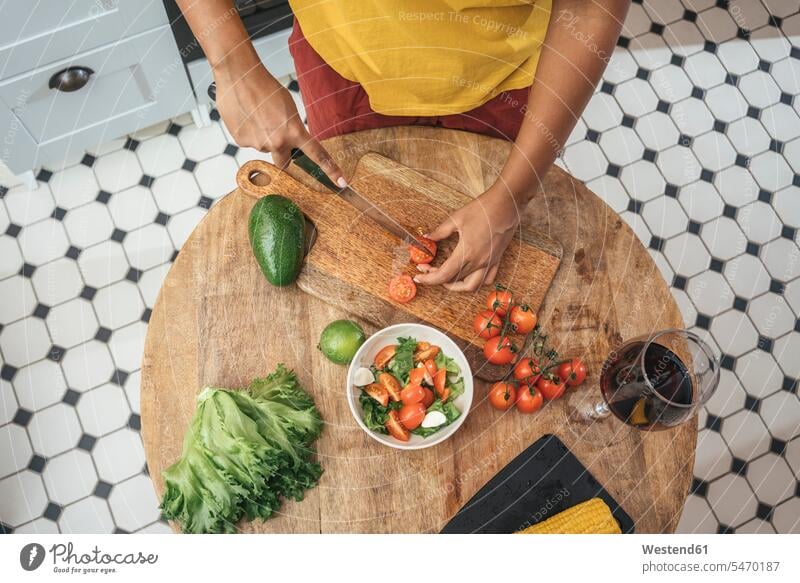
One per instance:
(403,360)
(244,451)
(450,411)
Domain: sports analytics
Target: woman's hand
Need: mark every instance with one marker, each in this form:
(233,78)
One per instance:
(485,227)
(260,113)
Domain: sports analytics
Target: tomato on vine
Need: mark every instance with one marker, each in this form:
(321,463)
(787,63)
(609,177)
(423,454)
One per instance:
(572,372)
(502,396)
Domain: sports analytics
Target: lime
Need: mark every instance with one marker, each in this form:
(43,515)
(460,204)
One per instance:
(340,340)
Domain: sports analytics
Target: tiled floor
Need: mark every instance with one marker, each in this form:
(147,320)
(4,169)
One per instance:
(692,137)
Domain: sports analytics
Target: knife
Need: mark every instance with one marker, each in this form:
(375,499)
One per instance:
(363,204)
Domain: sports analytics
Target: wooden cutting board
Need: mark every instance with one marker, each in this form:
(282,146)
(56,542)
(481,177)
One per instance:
(353,258)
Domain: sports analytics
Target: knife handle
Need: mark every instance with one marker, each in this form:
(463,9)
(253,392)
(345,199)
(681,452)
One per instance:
(312,169)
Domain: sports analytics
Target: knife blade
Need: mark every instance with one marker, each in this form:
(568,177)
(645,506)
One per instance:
(357,200)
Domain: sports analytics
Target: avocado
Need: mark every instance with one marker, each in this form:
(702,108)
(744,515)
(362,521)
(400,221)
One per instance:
(277,230)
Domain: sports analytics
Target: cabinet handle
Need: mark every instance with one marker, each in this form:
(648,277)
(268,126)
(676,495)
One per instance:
(71,79)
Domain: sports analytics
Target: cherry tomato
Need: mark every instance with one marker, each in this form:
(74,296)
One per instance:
(573,372)
(425,351)
(527,370)
(416,376)
(385,355)
(529,400)
(402,288)
(418,255)
(395,428)
(412,415)
(499,301)
(523,320)
(391,384)
(502,396)
(487,324)
(378,393)
(412,394)
(551,389)
(427,400)
(430,366)
(499,351)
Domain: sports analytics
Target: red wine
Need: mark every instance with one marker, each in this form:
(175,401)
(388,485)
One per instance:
(634,401)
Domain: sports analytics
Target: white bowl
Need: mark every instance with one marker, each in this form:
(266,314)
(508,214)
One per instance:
(365,357)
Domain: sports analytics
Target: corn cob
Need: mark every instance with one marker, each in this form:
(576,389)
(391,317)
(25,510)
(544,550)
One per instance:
(590,517)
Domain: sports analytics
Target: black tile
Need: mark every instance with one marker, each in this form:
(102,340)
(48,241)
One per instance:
(214,114)
(656,243)
(694,227)
(752,403)
(231,150)
(656,28)
(786,98)
(613,170)
(71,397)
(293,86)
(146,180)
(703,321)
(775,21)
(102,334)
(764,65)
(6,529)
(677,60)
(593,135)
(13,230)
(739,304)
(7,372)
(724,529)
(724,4)
(635,206)
(752,248)
(205,202)
(146,315)
(789,385)
(776,287)
(131,144)
(102,489)
(714,423)
(731,79)
(3,191)
(173,129)
(22,417)
(119,377)
(649,155)
(699,487)
(795,52)
(796,180)
(133,275)
(698,93)
(27,270)
(710,47)
(743,33)
(118,235)
(135,422)
(119,530)
(706,175)
(623,42)
(662,106)
(738,466)
(716,265)
(764,511)
(684,140)
(776,146)
(88,293)
(765,196)
(37,464)
(642,73)
(788,232)
(58,213)
(73,252)
(162,218)
(53,511)
(44,175)
(627,121)
(189,165)
(56,353)
(671,190)
(690,15)
(174,256)
(727,362)
(88,160)
(777,446)
(41,311)
(753,112)
(720,126)
(797,325)
(765,343)
(729,211)
(742,160)
(607,87)
(103,197)
(87,442)
(679,282)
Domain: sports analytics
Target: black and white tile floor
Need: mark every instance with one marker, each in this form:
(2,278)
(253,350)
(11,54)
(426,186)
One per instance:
(693,137)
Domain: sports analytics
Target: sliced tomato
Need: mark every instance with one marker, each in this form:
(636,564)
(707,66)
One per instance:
(416,376)
(395,428)
(500,350)
(430,366)
(385,355)
(378,393)
(428,351)
(418,255)
(523,320)
(428,399)
(439,382)
(499,301)
(529,400)
(391,384)
(487,324)
(551,388)
(412,394)
(412,415)
(402,288)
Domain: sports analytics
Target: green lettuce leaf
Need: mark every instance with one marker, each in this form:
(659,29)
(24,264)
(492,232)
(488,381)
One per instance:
(403,360)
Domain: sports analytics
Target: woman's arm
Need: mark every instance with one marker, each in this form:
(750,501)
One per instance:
(257,110)
(577,47)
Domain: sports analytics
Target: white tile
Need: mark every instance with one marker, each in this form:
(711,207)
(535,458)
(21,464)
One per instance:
(621,145)
(16,449)
(636,97)
(664,11)
(687,254)
(785,516)
(38,526)
(152,131)
(134,503)
(782,259)
(781,122)
(643,181)
(74,186)
(724,238)
(132,208)
(21,289)
(748,136)
(155,528)
(54,430)
(148,246)
(771,171)
(88,516)
(736,185)
(792,152)
(133,391)
(70,477)
(781,8)
(665,217)
(57,281)
(737,56)
(650,51)
(88,225)
(771,315)
(181,225)
(103,264)
(683,37)
(712,459)
(716,25)
(638,225)
(726,103)
(621,66)
(787,75)
(612,192)
(691,116)
(734,333)
(697,517)
(700,201)
(161,154)
(759,374)
(755,526)
(118,304)
(781,413)
(105,146)
(4,220)
(202,143)
(127,345)
(759,89)
(578,134)
(118,171)
(636,22)
(216,176)
(732,500)
(710,293)
(786,350)
(749,15)
(585,161)
(768,45)
(150,283)
(602,112)
(10,257)
(792,295)
(28,206)
(747,276)
(39,385)
(247,154)
(671,83)
(8,402)
(43,241)
(759,222)
(685,305)
(713,151)
(729,396)
(24,341)
(704,70)
(22,498)
(88,365)
(771,479)
(176,192)
(103,409)
(71,323)
(792,455)
(678,165)
(663,265)
(118,456)
(657,131)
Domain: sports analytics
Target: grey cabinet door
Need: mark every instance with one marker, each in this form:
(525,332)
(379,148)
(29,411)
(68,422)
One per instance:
(134,83)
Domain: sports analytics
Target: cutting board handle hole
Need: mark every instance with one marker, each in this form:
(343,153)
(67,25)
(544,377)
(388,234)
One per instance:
(259,178)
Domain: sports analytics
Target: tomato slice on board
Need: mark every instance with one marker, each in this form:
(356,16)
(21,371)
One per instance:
(395,428)
(411,416)
(418,255)
(378,393)
(402,288)
(391,384)
(412,394)
(385,355)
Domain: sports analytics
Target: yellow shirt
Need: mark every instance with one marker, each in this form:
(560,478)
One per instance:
(427,57)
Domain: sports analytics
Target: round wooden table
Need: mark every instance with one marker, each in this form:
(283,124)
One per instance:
(218,322)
